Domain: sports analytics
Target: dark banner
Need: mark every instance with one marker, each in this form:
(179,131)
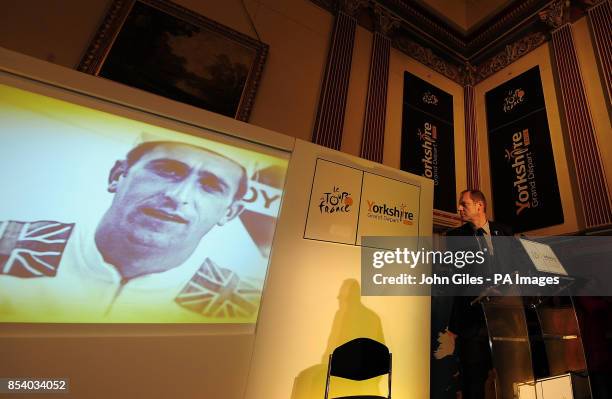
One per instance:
(428,143)
(523,176)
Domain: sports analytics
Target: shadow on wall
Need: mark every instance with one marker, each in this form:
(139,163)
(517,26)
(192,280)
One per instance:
(352,320)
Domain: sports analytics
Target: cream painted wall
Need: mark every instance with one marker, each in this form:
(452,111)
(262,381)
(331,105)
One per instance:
(400,63)
(595,94)
(297,31)
(58,31)
(541,57)
(357,92)
(298,34)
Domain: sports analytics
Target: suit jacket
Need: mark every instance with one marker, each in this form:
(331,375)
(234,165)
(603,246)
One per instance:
(466,320)
(502,260)
(497,229)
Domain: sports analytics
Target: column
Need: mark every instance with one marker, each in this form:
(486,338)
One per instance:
(592,186)
(600,18)
(373,137)
(332,101)
(471,137)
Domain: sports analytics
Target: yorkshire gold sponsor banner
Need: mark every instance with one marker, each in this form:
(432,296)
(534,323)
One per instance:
(523,176)
(427,138)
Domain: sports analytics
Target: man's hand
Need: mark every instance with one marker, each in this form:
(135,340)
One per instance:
(446,340)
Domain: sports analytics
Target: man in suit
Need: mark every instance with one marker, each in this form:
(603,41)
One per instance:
(467,327)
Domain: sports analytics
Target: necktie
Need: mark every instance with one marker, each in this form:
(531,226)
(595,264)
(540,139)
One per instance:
(482,244)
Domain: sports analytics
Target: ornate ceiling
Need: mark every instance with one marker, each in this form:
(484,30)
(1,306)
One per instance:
(464,45)
(465,15)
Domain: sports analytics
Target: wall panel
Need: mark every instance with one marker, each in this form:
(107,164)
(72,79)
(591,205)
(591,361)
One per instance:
(296,30)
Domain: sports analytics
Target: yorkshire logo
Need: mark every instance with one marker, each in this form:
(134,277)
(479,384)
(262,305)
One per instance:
(429,98)
(523,166)
(336,201)
(429,138)
(395,214)
(514,98)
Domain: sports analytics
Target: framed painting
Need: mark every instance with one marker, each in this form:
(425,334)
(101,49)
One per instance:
(163,48)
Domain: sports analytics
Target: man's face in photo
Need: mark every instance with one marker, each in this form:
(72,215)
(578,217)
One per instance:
(468,208)
(173,195)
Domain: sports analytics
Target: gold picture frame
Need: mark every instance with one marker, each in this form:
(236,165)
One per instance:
(166,49)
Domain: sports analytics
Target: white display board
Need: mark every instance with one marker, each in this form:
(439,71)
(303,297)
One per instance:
(312,301)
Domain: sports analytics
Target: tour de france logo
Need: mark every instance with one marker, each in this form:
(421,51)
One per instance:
(335,201)
(430,98)
(514,98)
(522,162)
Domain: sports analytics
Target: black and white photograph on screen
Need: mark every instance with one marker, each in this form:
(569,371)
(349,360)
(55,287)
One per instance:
(139,224)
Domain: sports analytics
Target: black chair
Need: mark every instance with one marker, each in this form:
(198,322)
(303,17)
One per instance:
(358,360)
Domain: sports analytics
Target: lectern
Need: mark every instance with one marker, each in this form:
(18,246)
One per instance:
(536,343)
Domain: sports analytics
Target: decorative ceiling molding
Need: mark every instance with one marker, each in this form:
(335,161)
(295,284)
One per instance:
(468,73)
(352,7)
(555,14)
(468,58)
(385,21)
(511,53)
(419,21)
(427,57)
(517,15)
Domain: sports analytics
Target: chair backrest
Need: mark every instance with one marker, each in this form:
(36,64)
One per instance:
(360,359)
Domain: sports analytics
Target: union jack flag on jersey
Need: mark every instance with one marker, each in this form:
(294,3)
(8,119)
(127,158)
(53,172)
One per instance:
(218,292)
(32,249)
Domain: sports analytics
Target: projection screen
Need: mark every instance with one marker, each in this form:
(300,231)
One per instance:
(108,219)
